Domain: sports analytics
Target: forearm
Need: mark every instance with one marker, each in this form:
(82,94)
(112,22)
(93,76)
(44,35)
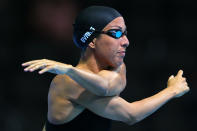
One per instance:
(90,81)
(147,106)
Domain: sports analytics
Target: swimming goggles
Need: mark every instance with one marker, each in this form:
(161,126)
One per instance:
(115,33)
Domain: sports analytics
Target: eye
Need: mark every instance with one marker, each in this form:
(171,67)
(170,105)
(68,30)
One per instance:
(118,34)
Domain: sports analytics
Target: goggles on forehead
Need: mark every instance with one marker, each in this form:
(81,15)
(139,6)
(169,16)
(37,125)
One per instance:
(115,33)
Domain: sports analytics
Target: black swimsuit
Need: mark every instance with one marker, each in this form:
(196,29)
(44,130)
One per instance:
(86,121)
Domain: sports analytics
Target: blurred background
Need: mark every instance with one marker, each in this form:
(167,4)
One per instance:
(162,36)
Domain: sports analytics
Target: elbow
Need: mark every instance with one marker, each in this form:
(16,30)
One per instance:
(56,118)
(102,92)
(132,120)
(104,89)
(130,123)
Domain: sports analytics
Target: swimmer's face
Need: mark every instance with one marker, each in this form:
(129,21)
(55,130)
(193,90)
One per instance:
(110,50)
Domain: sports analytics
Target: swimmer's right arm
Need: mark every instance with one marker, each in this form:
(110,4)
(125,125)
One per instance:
(105,83)
(116,108)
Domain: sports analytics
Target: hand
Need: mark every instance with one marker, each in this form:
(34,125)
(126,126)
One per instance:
(47,66)
(178,84)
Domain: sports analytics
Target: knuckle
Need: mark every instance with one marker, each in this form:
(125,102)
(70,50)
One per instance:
(43,59)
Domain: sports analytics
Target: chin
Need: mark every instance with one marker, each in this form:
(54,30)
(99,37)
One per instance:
(116,64)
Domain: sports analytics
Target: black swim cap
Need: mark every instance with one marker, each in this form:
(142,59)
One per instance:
(90,20)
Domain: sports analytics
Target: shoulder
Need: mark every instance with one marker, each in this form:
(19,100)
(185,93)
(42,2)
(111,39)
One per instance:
(57,86)
(59,80)
(63,86)
(62,80)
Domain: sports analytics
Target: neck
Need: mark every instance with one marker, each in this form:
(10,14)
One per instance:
(89,61)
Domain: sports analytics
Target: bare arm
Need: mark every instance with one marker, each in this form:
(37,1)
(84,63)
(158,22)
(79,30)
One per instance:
(105,83)
(116,108)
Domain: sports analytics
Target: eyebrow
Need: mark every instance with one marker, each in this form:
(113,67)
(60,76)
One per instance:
(119,27)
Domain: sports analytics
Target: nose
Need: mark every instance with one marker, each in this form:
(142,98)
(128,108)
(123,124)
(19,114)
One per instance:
(124,41)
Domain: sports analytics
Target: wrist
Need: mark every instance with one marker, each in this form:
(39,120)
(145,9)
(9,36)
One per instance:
(170,90)
(69,69)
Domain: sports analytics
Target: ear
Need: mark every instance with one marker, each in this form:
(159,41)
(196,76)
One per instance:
(92,44)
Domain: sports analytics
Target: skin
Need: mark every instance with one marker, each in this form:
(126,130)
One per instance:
(103,59)
(110,51)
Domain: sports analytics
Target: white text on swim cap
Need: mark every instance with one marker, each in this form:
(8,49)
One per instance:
(87,35)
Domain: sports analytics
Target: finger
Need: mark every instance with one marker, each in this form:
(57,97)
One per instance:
(172,76)
(30,67)
(38,66)
(188,88)
(186,84)
(47,69)
(30,62)
(38,63)
(180,73)
(34,61)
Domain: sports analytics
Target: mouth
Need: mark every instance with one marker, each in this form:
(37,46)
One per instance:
(122,53)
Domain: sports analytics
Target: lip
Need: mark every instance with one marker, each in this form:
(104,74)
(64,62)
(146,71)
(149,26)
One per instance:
(122,53)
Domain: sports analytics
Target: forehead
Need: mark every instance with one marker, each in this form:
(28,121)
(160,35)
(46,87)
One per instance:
(116,23)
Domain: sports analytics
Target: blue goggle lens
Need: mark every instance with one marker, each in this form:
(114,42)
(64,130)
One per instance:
(118,34)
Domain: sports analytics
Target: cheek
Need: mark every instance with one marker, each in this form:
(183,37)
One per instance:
(109,45)
(112,55)
(109,50)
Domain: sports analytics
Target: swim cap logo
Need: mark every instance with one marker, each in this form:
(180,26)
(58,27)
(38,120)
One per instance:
(87,34)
